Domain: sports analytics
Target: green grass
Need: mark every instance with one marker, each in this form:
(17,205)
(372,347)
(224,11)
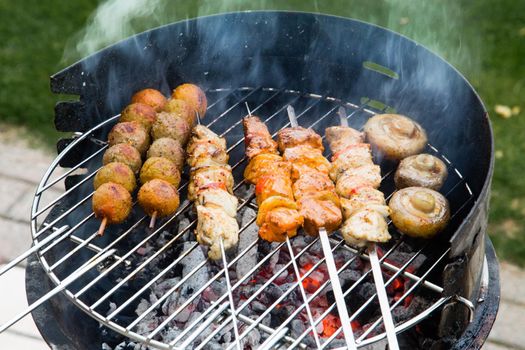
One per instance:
(484,39)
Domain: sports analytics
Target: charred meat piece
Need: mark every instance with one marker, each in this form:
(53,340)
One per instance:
(118,173)
(364,197)
(366,225)
(214,224)
(139,112)
(171,125)
(305,158)
(273,185)
(160,168)
(168,148)
(299,136)
(350,157)
(205,153)
(356,177)
(278,218)
(123,153)
(193,95)
(200,132)
(257,138)
(422,170)
(341,137)
(218,198)
(310,183)
(131,133)
(158,197)
(266,164)
(112,202)
(320,210)
(214,176)
(419,212)
(395,136)
(150,97)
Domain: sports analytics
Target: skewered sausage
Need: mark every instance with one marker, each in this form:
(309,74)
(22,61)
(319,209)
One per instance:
(132,133)
(160,168)
(193,95)
(123,153)
(118,173)
(150,97)
(423,170)
(419,211)
(139,112)
(395,136)
(168,148)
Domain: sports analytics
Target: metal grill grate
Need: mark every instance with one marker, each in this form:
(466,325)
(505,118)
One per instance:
(143,258)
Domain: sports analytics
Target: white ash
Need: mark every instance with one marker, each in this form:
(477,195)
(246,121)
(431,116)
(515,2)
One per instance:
(247,237)
(252,340)
(163,287)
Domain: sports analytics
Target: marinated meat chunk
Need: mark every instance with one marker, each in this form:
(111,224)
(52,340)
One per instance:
(214,224)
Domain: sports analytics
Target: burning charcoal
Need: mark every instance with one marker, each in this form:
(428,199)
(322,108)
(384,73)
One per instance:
(125,346)
(183,225)
(250,234)
(106,347)
(252,340)
(147,325)
(169,334)
(162,288)
(142,307)
(297,328)
(258,307)
(349,277)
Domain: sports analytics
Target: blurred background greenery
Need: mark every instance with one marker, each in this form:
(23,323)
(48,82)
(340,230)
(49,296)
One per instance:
(484,39)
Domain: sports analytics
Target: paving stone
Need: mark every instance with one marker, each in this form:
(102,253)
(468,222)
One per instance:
(10,191)
(21,210)
(508,328)
(15,238)
(12,301)
(492,346)
(512,283)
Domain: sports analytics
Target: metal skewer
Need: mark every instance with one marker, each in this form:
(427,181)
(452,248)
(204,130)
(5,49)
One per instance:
(378,274)
(332,269)
(228,282)
(65,282)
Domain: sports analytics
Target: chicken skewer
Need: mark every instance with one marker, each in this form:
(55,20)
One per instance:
(214,199)
(363,205)
(330,263)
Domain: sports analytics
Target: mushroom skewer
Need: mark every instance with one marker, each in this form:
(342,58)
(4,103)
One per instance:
(371,245)
(210,188)
(332,269)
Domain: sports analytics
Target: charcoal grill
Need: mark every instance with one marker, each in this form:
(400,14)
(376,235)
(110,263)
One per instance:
(317,64)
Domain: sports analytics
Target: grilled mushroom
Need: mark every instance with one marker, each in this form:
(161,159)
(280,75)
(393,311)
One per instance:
(168,148)
(123,153)
(419,212)
(395,136)
(118,173)
(423,170)
(139,112)
(150,97)
(160,168)
(193,95)
(132,133)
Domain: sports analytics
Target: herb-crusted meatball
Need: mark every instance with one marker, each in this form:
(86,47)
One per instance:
(181,108)
(193,95)
(139,112)
(123,153)
(168,148)
(158,197)
(171,125)
(112,202)
(132,133)
(160,168)
(118,173)
(150,97)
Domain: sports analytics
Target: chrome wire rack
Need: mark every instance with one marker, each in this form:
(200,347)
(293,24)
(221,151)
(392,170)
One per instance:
(141,259)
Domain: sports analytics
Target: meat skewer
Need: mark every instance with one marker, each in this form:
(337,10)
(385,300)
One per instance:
(325,244)
(364,207)
(211,189)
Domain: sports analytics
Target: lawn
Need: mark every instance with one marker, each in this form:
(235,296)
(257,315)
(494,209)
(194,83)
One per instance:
(484,39)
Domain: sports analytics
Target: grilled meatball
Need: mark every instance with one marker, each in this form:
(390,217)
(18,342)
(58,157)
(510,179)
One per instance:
(214,224)
(257,138)
(112,202)
(218,198)
(299,136)
(181,108)
(118,173)
(123,153)
(172,126)
(158,197)
(395,136)
(132,133)
(341,137)
(139,112)
(160,168)
(193,95)
(366,225)
(150,97)
(210,177)
(168,148)
(320,210)
(423,170)
(419,211)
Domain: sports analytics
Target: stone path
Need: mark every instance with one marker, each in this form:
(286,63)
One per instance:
(21,168)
